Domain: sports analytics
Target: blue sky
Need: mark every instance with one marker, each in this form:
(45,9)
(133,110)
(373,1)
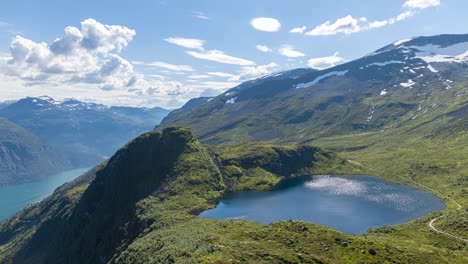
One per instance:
(162,53)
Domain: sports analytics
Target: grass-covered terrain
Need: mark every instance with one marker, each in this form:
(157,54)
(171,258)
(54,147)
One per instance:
(414,135)
(141,206)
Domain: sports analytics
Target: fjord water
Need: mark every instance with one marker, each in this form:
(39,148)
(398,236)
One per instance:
(347,203)
(15,197)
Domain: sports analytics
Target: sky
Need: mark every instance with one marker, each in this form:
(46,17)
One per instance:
(163,52)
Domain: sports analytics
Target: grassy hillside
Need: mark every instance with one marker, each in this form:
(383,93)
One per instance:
(412,133)
(141,207)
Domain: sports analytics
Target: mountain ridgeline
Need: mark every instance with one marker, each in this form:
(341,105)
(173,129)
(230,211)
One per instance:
(395,86)
(399,113)
(25,157)
(86,133)
(157,181)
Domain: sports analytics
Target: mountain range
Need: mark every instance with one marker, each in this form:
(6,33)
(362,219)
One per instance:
(86,132)
(400,113)
(396,85)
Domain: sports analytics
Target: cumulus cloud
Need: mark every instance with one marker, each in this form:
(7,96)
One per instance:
(266,24)
(299,30)
(253,72)
(93,36)
(325,62)
(289,51)
(348,25)
(263,48)
(219,56)
(421,3)
(86,55)
(187,42)
(85,63)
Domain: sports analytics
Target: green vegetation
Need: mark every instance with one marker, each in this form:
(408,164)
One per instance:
(141,207)
(408,136)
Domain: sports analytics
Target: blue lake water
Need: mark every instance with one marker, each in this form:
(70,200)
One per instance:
(15,197)
(347,203)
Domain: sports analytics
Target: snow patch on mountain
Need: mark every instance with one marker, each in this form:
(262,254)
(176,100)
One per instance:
(383,63)
(318,79)
(431,68)
(408,84)
(399,42)
(435,53)
(231,101)
(383,92)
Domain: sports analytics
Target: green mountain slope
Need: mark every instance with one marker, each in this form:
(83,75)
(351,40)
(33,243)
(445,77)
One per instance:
(389,88)
(402,111)
(141,206)
(25,157)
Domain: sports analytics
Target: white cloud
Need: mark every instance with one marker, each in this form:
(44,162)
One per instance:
(200,76)
(267,24)
(157,76)
(325,62)
(84,63)
(421,3)
(215,85)
(211,88)
(400,17)
(263,48)
(5,24)
(289,51)
(348,25)
(86,55)
(187,43)
(220,74)
(253,72)
(403,16)
(94,36)
(219,56)
(171,67)
(299,30)
(200,15)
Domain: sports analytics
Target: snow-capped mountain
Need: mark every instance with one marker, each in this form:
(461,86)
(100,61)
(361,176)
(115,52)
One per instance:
(402,82)
(88,132)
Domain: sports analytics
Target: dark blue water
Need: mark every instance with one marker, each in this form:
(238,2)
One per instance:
(16,197)
(347,203)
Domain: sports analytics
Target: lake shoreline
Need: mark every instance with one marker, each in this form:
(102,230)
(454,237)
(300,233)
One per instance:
(14,198)
(368,202)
